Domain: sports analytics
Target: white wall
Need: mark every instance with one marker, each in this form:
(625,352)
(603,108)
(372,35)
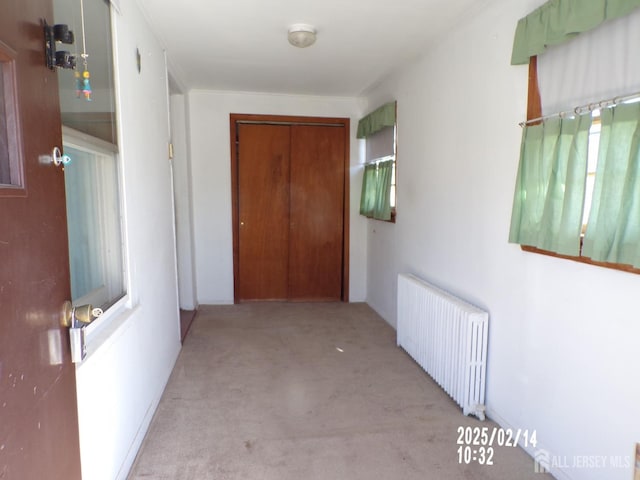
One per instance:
(183,202)
(129,362)
(211,161)
(564,337)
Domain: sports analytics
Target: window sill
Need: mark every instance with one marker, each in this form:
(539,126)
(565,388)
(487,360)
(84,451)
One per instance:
(108,328)
(586,260)
(391,220)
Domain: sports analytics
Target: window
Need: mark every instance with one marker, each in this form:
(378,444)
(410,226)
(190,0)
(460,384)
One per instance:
(392,190)
(92,178)
(10,152)
(95,114)
(378,199)
(577,193)
(94,221)
(592,163)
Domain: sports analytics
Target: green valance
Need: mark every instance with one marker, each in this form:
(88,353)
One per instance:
(557,21)
(382,117)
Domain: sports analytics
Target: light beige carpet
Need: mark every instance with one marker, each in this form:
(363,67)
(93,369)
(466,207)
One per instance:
(307,392)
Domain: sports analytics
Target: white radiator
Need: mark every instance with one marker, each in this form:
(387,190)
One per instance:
(447,337)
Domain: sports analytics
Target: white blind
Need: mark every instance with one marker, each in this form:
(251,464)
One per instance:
(381,144)
(596,65)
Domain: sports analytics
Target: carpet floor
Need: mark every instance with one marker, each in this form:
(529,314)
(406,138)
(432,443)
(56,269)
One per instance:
(293,391)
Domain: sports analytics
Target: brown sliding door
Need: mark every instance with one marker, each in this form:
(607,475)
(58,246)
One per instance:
(316,213)
(290,185)
(263,200)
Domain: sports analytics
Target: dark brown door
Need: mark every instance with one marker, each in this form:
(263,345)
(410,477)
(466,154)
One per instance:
(263,202)
(316,211)
(289,209)
(38,419)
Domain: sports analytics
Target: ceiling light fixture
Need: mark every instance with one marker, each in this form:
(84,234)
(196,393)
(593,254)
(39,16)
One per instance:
(302,35)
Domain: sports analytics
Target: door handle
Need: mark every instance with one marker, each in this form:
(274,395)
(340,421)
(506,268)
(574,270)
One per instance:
(76,318)
(60,160)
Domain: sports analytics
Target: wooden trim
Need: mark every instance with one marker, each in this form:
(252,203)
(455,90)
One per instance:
(347,214)
(238,118)
(534,102)
(585,260)
(287,119)
(234,204)
(394,210)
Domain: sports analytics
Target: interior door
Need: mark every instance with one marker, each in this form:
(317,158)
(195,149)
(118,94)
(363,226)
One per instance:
(38,415)
(316,212)
(289,184)
(263,206)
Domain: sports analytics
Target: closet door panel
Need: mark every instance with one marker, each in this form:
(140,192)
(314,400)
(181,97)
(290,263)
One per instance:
(316,213)
(263,212)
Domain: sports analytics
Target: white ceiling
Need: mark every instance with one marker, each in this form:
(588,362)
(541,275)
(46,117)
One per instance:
(241,45)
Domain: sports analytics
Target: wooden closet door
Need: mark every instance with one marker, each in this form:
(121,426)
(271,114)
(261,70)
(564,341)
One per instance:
(263,212)
(316,212)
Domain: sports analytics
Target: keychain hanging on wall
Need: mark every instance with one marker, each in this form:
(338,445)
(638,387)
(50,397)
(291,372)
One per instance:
(83,84)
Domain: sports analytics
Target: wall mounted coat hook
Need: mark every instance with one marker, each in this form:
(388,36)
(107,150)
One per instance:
(52,35)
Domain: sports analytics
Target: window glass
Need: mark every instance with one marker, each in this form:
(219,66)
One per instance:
(5,171)
(88,107)
(93,217)
(92,178)
(380,149)
(392,200)
(592,163)
(11,161)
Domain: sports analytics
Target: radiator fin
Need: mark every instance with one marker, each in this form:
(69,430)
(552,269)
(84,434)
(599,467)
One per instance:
(447,337)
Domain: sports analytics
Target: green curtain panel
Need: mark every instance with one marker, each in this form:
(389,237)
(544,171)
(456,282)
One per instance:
(368,196)
(382,210)
(613,229)
(382,117)
(549,194)
(557,21)
(375,200)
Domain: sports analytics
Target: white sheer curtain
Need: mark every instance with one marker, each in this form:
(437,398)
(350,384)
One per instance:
(596,65)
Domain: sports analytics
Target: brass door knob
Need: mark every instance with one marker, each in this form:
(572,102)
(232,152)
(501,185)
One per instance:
(82,314)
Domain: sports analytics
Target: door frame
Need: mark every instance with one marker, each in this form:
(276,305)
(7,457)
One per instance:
(239,118)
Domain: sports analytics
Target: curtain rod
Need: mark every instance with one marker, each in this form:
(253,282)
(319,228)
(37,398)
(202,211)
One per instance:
(589,107)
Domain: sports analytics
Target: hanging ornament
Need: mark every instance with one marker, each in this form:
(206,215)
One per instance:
(86,86)
(83,85)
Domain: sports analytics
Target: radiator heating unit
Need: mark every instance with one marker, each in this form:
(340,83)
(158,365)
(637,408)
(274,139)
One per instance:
(447,336)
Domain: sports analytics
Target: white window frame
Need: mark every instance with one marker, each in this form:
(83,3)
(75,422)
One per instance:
(87,143)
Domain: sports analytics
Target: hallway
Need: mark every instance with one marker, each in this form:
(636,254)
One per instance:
(306,391)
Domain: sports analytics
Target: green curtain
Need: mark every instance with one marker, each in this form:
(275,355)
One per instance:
(375,200)
(382,117)
(613,229)
(368,196)
(549,195)
(557,21)
(382,210)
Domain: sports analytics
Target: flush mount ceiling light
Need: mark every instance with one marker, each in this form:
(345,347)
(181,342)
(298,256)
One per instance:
(302,35)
